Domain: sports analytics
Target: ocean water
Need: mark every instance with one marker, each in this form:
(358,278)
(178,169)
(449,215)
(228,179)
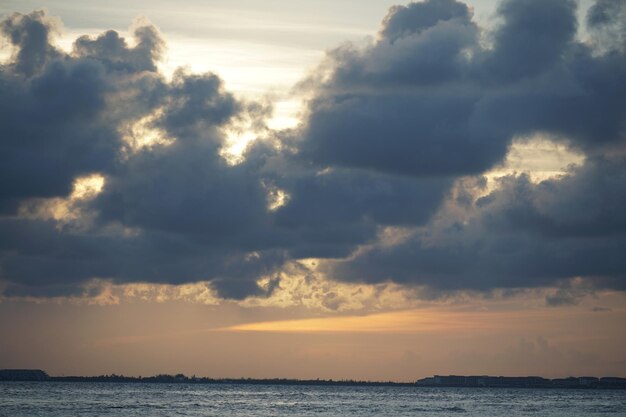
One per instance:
(112,399)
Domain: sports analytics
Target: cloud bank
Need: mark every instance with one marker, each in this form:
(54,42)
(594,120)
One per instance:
(396,136)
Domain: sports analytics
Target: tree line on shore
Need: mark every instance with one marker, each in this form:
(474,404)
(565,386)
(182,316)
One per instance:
(435,381)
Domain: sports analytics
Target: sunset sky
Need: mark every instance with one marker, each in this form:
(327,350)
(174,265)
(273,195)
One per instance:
(332,189)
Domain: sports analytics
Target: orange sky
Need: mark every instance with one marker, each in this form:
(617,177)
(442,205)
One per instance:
(509,336)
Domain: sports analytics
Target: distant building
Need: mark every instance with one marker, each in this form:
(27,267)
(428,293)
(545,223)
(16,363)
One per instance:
(426,382)
(566,382)
(450,380)
(588,381)
(476,381)
(485,381)
(613,382)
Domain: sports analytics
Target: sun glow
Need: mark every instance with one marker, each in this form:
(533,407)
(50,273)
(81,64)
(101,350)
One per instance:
(87,187)
(235,146)
(143,134)
(407,321)
(69,209)
(538,156)
(286,114)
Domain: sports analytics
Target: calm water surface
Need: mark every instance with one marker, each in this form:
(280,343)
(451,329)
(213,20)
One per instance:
(110,399)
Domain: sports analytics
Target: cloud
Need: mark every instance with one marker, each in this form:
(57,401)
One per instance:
(460,119)
(533,37)
(30,34)
(401,105)
(605,20)
(434,101)
(335,210)
(402,21)
(170,210)
(165,211)
(113,51)
(570,295)
(57,113)
(520,235)
(396,135)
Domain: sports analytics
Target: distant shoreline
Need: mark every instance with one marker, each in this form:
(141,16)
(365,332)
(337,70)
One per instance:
(436,381)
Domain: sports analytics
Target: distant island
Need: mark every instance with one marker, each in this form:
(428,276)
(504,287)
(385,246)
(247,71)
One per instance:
(483,381)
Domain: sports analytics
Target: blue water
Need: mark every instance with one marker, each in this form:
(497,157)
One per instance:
(112,399)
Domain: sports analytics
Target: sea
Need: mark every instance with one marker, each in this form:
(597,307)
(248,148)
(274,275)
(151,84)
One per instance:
(148,399)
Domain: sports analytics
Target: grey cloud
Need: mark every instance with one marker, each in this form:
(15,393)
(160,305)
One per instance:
(196,103)
(423,135)
(387,133)
(111,49)
(56,122)
(537,78)
(187,208)
(342,196)
(561,298)
(417,17)
(374,115)
(580,101)
(522,235)
(41,127)
(170,213)
(606,20)
(30,34)
(330,213)
(568,295)
(533,37)
(586,203)
(435,102)
(187,188)
(40,259)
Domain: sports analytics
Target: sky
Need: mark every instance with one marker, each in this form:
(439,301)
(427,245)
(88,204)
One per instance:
(348,190)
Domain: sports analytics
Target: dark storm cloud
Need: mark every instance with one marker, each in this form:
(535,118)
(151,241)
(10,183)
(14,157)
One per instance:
(422,101)
(402,105)
(521,235)
(340,196)
(533,37)
(41,259)
(54,119)
(565,297)
(417,17)
(329,213)
(586,203)
(30,34)
(170,213)
(197,102)
(606,19)
(112,50)
(62,117)
(389,130)
(185,188)
(429,99)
